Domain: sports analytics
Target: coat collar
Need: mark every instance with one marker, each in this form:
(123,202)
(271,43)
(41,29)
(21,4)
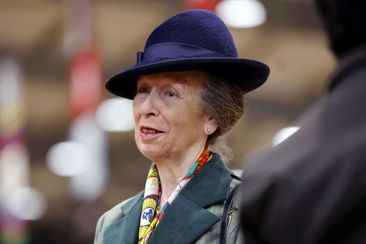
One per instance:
(187,219)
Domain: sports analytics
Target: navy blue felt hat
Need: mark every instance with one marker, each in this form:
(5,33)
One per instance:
(191,40)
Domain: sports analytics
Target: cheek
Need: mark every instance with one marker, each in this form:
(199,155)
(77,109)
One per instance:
(189,122)
(137,138)
(136,117)
(136,114)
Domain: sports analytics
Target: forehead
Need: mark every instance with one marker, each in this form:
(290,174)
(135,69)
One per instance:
(189,78)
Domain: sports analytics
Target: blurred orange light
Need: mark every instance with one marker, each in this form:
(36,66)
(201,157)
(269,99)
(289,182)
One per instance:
(201,4)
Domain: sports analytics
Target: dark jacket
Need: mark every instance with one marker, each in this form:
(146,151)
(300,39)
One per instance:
(312,187)
(194,216)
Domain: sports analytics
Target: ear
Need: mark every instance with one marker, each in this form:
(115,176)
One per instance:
(211,126)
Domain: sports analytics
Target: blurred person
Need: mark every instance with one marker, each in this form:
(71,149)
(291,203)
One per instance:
(311,188)
(187,89)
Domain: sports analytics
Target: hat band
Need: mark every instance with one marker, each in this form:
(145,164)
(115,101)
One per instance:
(174,50)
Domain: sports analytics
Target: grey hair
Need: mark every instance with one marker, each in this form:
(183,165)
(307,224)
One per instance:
(223,101)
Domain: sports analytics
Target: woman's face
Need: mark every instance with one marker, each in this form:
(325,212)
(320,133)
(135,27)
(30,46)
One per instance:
(168,114)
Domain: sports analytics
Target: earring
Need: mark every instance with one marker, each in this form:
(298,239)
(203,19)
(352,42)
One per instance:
(208,131)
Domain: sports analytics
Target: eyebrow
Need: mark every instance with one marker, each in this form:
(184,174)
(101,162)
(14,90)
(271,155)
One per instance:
(141,82)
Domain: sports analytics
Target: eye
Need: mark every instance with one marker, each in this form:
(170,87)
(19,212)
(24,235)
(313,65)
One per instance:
(142,89)
(170,93)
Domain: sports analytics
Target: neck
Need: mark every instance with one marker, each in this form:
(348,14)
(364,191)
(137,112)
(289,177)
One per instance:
(172,171)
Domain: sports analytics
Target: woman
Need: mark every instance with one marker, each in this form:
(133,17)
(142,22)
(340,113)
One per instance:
(187,89)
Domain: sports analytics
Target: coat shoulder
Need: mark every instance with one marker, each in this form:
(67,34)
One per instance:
(234,233)
(113,215)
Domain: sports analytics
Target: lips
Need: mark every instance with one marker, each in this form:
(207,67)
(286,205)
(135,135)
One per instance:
(149,130)
(146,129)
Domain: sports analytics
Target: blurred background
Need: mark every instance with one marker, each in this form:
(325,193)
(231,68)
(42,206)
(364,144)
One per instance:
(67,147)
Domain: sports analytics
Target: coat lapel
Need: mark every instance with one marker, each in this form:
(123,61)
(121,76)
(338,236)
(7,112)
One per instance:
(125,229)
(187,219)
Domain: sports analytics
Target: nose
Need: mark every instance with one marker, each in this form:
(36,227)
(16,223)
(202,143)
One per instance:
(148,106)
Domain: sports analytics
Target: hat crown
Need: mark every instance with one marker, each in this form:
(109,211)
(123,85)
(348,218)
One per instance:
(199,28)
(191,40)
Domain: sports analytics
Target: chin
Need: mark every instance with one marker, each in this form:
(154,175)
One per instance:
(151,152)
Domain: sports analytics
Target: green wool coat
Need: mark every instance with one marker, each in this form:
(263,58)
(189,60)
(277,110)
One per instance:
(193,217)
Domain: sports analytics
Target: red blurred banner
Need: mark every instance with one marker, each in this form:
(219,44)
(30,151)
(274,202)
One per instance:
(85,82)
(201,4)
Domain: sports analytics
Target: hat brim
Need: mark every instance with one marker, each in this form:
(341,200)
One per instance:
(247,74)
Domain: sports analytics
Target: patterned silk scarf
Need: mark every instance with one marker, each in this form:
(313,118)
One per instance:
(151,212)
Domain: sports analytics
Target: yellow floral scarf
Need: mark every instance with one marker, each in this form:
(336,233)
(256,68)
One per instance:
(151,213)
